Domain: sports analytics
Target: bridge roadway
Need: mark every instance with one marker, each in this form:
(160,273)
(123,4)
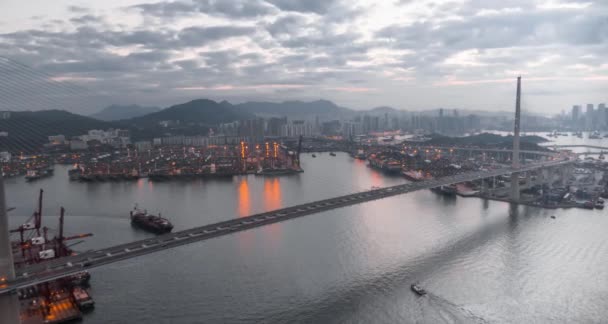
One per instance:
(62,267)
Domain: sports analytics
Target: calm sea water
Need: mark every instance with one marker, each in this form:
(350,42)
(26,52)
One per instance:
(481,261)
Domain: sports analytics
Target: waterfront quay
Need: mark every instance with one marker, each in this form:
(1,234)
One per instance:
(580,186)
(180,162)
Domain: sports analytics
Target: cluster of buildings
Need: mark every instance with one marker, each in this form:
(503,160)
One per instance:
(254,130)
(350,126)
(446,123)
(591,118)
(117,138)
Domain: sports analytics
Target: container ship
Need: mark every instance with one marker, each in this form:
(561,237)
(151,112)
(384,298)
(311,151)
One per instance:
(449,191)
(415,175)
(360,155)
(278,171)
(152,223)
(75,172)
(53,302)
(33,175)
(386,164)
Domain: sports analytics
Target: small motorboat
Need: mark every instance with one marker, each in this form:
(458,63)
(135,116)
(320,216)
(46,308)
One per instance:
(418,290)
(599,203)
(314,155)
(552,216)
(332,153)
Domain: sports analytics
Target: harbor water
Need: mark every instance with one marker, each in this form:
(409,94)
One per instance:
(480,261)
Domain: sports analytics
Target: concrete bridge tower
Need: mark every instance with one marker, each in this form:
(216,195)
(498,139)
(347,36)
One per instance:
(515,158)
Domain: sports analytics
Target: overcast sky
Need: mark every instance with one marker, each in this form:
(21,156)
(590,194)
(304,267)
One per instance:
(409,54)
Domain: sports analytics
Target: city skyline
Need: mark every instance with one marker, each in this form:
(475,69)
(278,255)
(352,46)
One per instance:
(407,55)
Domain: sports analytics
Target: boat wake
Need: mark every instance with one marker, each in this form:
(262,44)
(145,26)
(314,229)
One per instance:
(455,308)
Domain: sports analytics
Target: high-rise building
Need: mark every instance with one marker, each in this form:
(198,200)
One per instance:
(603,115)
(589,117)
(576,113)
(274,126)
(576,116)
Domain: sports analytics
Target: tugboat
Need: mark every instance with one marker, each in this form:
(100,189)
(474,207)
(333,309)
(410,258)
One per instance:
(418,290)
(152,223)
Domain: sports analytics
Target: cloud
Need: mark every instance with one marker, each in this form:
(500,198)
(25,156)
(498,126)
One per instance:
(86,19)
(197,36)
(359,51)
(78,9)
(225,8)
(314,6)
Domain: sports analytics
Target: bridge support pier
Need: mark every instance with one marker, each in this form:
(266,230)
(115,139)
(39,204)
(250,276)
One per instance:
(565,175)
(515,186)
(9,304)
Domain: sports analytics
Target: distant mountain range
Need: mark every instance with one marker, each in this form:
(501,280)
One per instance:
(200,111)
(29,130)
(211,112)
(291,108)
(117,112)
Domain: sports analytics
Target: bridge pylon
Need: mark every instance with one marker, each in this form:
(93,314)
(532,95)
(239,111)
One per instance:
(9,303)
(515,158)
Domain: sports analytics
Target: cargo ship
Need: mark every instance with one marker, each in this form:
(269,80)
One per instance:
(75,172)
(387,165)
(152,223)
(449,191)
(414,175)
(33,175)
(360,155)
(278,171)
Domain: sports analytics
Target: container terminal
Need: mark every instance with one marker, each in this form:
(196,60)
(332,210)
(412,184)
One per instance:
(58,301)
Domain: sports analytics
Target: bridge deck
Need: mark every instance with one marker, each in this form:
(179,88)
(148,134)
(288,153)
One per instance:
(59,268)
